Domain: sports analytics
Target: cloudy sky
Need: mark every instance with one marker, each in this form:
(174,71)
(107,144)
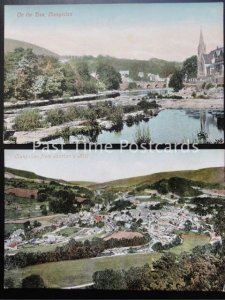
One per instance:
(138,31)
(101,166)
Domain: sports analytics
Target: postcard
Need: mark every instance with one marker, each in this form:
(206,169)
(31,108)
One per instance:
(114,73)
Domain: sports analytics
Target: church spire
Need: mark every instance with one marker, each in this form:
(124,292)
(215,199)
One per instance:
(201,45)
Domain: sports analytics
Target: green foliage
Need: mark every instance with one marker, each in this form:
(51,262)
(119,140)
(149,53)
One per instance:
(33,281)
(29,119)
(9,283)
(142,135)
(121,205)
(144,104)
(55,116)
(109,76)
(63,202)
(109,280)
(189,69)
(209,86)
(132,86)
(169,273)
(180,186)
(176,81)
(116,117)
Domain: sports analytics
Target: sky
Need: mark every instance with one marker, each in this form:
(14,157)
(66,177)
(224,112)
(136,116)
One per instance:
(138,31)
(102,166)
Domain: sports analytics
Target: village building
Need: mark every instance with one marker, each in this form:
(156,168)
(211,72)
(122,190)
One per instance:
(23,193)
(210,65)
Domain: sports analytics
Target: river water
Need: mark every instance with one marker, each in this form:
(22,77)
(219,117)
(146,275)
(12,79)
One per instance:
(172,126)
(169,126)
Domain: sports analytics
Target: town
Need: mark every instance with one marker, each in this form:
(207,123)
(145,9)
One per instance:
(140,219)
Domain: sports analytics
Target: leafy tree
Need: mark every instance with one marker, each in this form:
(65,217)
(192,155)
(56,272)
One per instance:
(69,83)
(109,76)
(63,202)
(83,70)
(109,280)
(55,84)
(189,69)
(176,81)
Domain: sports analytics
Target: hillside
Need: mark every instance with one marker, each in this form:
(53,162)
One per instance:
(15,173)
(208,175)
(10,45)
(156,66)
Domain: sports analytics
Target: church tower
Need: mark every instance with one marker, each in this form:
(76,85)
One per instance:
(201,51)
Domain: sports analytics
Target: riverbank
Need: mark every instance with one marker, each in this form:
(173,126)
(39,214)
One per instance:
(191,103)
(37,103)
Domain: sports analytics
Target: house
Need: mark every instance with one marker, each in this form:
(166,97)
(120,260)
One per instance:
(23,193)
(80,200)
(123,235)
(141,74)
(124,73)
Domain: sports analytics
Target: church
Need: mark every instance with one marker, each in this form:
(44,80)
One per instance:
(210,65)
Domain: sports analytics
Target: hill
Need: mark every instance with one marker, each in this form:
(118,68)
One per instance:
(15,173)
(154,65)
(208,175)
(10,45)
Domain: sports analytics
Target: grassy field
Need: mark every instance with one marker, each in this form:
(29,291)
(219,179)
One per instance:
(208,175)
(77,272)
(191,240)
(17,207)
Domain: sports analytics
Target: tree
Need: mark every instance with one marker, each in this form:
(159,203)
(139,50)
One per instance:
(190,66)
(109,76)
(176,81)
(33,281)
(63,202)
(109,280)
(55,83)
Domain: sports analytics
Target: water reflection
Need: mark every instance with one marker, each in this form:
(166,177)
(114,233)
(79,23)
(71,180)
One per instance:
(169,126)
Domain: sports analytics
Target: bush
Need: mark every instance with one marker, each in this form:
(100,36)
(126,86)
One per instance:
(55,117)
(33,281)
(142,136)
(28,120)
(209,86)
(132,85)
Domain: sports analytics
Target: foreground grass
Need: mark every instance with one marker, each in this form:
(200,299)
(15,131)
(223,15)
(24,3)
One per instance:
(77,272)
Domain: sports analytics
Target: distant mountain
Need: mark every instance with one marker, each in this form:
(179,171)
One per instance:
(10,45)
(208,175)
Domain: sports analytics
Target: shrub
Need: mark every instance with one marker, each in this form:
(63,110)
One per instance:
(55,116)
(132,85)
(28,120)
(142,136)
(209,86)
(33,281)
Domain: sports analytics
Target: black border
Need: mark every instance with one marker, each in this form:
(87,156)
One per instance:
(78,294)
